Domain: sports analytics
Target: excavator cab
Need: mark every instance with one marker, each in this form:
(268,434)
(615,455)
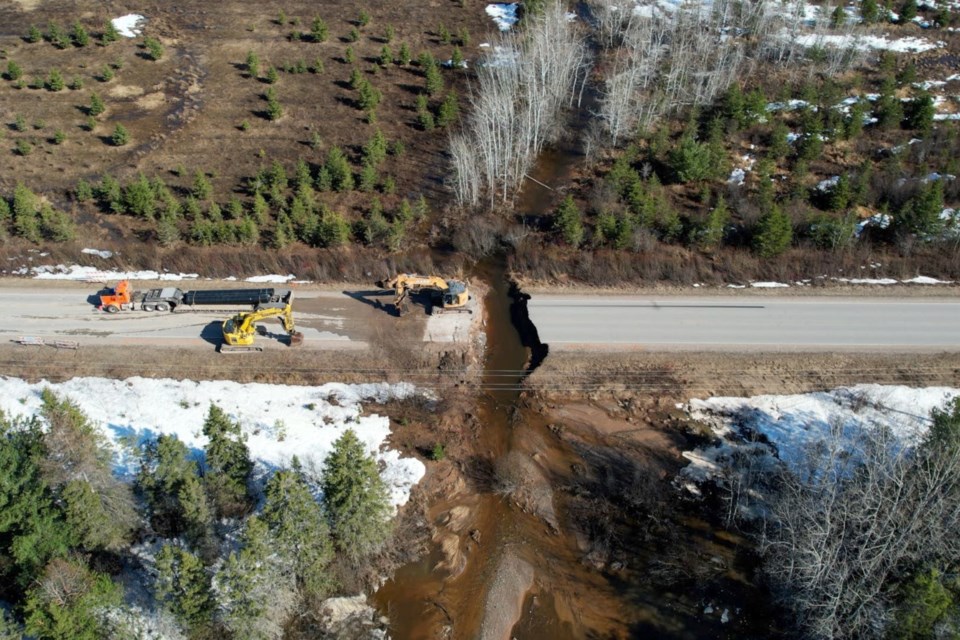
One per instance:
(456,295)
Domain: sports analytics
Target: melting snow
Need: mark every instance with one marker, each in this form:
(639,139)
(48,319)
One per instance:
(790,424)
(272,278)
(768,285)
(130,25)
(278,421)
(504,15)
(901,45)
(97,252)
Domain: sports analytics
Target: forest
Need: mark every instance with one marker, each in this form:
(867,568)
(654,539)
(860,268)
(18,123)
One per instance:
(199,544)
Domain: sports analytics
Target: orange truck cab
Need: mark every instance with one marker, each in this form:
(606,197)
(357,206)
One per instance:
(118,298)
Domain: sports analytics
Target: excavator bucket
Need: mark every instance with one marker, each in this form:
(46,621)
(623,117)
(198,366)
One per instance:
(296,339)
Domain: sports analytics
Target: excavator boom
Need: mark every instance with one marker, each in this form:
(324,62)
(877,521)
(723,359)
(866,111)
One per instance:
(452,295)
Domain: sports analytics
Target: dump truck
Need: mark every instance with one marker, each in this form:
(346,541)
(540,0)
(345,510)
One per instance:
(124,298)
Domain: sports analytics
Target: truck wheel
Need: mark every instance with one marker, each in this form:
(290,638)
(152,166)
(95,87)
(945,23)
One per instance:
(112,308)
(163,306)
(148,307)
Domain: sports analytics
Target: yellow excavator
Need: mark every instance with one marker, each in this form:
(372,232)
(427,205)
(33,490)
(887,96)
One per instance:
(448,295)
(240,330)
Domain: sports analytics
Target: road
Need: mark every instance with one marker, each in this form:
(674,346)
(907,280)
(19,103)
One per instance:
(761,322)
(329,319)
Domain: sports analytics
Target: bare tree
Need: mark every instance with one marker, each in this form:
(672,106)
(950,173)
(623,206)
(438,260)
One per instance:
(850,521)
(516,107)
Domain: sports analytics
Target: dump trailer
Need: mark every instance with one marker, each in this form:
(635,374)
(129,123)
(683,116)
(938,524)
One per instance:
(123,298)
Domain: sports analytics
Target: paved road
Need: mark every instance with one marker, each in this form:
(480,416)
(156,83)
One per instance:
(801,322)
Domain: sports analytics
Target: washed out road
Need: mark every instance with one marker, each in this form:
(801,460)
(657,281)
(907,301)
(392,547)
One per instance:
(761,322)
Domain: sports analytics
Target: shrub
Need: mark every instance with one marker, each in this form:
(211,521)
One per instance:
(55,80)
(252,64)
(20,123)
(120,136)
(437,453)
(363,19)
(14,71)
(106,73)
(388,34)
(80,36)
(24,147)
(110,33)
(449,110)
(348,56)
(353,35)
(76,84)
(386,56)
(318,30)
(403,56)
(443,33)
(59,137)
(154,48)
(272,75)
(34,34)
(56,36)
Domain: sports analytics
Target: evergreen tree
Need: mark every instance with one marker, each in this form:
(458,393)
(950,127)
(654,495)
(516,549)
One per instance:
(919,113)
(228,464)
(433,79)
(840,195)
(202,189)
(110,33)
(14,71)
(56,225)
(925,604)
(869,11)
(96,105)
(690,160)
(568,221)
(164,472)
(711,235)
(318,30)
(252,64)
(184,586)
(139,199)
(250,586)
(773,233)
(120,136)
(355,497)
(31,529)
(921,214)
(80,36)
(375,151)
(26,223)
(908,11)
(55,80)
(154,48)
(299,532)
(449,110)
(341,176)
(403,56)
(66,601)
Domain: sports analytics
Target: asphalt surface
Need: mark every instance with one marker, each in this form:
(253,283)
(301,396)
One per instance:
(768,323)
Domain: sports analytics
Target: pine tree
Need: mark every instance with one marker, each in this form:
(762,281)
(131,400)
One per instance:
(773,233)
(168,231)
(375,151)
(341,176)
(184,586)
(55,80)
(26,223)
(110,33)
(14,71)
(96,105)
(56,225)
(869,11)
(164,471)
(403,56)
(919,113)
(568,221)
(252,64)
(202,189)
(449,110)
(355,497)
(318,30)
(299,531)
(80,36)
(228,464)
(434,81)
(120,136)
(154,48)
(713,230)
(921,214)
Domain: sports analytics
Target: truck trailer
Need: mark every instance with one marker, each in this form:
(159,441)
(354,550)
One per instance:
(123,298)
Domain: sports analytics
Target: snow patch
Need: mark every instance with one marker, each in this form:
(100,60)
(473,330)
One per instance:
(272,278)
(278,421)
(504,15)
(768,285)
(98,252)
(130,25)
(771,430)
